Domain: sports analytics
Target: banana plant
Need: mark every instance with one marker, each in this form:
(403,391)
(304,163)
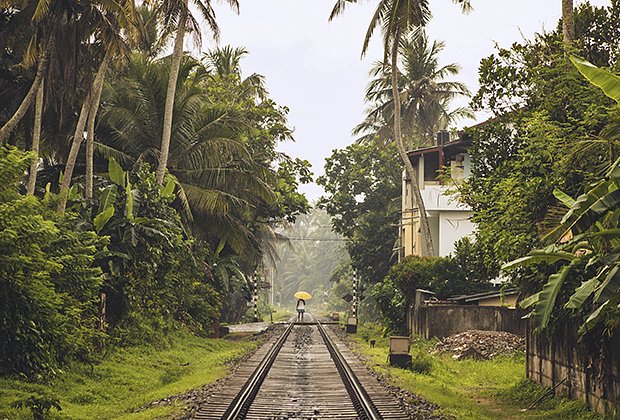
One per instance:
(588,235)
(109,195)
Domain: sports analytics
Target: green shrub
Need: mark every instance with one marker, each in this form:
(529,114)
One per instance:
(48,285)
(421,363)
(445,276)
(39,405)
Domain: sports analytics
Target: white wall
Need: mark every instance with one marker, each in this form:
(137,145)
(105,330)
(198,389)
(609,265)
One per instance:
(453,225)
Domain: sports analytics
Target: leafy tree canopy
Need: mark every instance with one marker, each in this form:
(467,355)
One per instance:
(362,183)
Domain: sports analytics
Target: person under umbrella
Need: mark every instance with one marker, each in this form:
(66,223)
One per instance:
(301,308)
(301,304)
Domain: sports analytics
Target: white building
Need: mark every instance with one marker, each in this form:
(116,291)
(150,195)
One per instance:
(439,168)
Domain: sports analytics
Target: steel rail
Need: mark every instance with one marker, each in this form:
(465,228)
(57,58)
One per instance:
(238,408)
(361,401)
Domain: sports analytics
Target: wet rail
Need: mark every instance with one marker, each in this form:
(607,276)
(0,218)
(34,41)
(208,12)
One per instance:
(308,373)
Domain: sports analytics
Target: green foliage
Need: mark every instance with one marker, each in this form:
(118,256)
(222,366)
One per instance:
(608,82)
(231,183)
(130,378)
(153,277)
(39,405)
(553,131)
(307,259)
(465,389)
(363,184)
(48,282)
(592,226)
(526,392)
(421,363)
(588,235)
(446,276)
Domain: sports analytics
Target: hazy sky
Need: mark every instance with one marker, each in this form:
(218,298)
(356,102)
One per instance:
(314,67)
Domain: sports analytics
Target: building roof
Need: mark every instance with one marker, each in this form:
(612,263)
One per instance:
(463,141)
(425,291)
(485,295)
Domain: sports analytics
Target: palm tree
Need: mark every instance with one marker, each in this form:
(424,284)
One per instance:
(568,22)
(106,18)
(397,18)
(219,181)
(36,137)
(226,62)
(424,92)
(178,12)
(44,17)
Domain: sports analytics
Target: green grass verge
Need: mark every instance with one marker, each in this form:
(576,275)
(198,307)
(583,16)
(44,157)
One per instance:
(282,314)
(129,378)
(467,389)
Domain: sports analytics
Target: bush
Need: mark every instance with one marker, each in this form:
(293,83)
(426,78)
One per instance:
(421,363)
(48,286)
(446,276)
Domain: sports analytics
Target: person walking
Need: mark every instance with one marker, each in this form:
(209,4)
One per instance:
(301,308)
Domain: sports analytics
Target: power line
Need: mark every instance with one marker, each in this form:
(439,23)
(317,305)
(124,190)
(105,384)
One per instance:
(317,239)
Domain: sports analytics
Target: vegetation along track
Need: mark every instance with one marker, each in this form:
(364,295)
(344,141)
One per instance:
(304,373)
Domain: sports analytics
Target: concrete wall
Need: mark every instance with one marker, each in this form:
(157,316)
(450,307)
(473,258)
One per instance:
(553,360)
(443,320)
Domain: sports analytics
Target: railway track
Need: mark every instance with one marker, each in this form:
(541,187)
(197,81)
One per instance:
(305,373)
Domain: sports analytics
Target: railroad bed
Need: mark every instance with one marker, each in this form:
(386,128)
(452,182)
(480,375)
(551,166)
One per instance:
(305,373)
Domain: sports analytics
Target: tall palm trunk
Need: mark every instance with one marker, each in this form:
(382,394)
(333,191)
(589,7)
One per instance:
(92,115)
(426,231)
(78,136)
(10,125)
(568,22)
(172,86)
(36,138)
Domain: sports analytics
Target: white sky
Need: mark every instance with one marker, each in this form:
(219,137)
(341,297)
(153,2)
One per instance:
(314,67)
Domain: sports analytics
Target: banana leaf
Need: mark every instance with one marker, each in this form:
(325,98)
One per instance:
(608,82)
(610,286)
(582,293)
(539,256)
(592,319)
(107,198)
(116,173)
(564,198)
(548,295)
(529,301)
(584,217)
(102,218)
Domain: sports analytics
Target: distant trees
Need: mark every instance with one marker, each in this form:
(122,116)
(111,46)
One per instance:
(308,255)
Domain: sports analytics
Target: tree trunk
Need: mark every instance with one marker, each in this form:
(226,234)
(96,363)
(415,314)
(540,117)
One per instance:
(10,125)
(92,115)
(426,231)
(36,138)
(172,85)
(568,22)
(78,136)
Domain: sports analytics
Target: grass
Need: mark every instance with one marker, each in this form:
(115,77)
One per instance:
(128,379)
(282,314)
(468,389)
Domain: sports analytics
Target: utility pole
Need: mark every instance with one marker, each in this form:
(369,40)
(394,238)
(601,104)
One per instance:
(355,294)
(255,298)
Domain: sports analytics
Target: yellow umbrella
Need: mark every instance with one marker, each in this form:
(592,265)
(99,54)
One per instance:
(303,295)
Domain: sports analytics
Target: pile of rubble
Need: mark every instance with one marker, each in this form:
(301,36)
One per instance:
(481,345)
